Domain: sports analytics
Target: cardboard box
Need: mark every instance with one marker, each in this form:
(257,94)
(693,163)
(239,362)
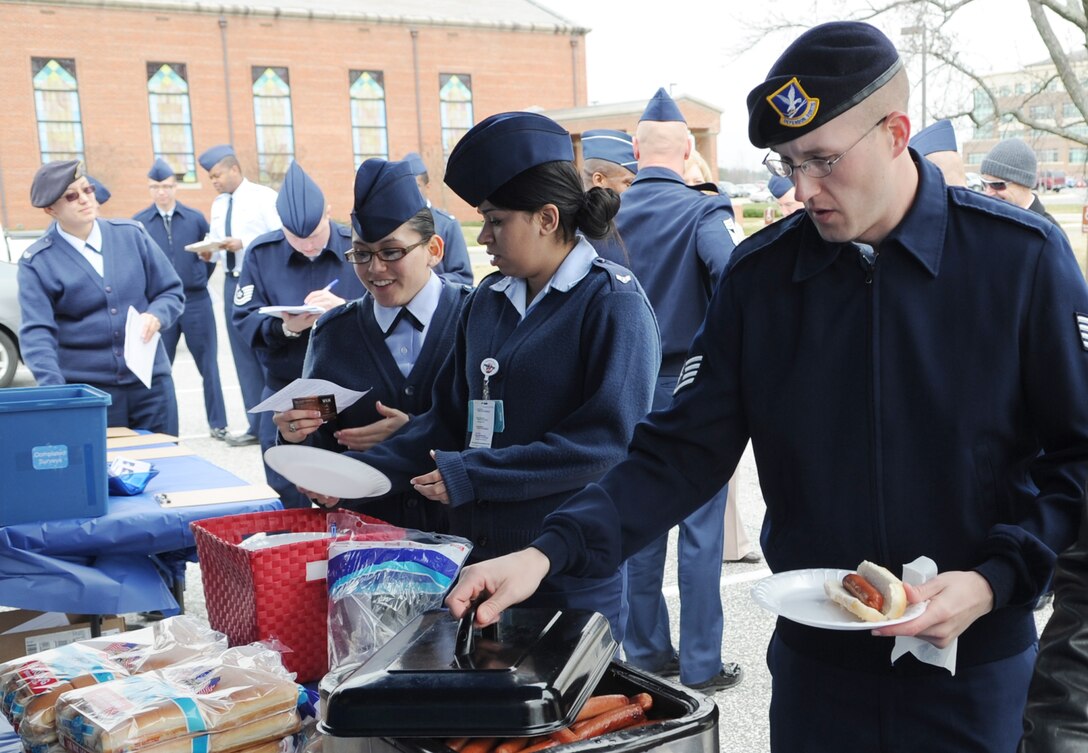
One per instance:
(24,631)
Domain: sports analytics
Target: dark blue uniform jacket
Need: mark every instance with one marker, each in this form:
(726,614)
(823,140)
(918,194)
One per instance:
(934,405)
(187,225)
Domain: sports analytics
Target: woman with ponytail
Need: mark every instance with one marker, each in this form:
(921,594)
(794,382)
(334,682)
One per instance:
(554,360)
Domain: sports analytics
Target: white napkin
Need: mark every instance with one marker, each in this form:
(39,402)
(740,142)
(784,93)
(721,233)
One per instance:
(916,573)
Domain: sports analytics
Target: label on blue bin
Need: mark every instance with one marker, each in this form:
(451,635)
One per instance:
(49,457)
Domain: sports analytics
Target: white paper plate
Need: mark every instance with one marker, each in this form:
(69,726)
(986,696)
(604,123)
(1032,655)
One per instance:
(325,472)
(798,595)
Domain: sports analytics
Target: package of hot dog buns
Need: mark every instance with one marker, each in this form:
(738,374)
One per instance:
(31,684)
(235,701)
(380,578)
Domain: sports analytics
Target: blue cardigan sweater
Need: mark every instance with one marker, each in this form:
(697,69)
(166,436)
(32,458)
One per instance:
(74,321)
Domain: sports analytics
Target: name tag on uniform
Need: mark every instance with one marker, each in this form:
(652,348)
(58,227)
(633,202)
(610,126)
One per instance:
(485,419)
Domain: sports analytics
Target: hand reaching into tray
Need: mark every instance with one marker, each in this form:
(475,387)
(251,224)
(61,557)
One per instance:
(504,581)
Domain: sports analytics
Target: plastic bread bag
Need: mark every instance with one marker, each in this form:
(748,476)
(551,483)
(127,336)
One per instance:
(173,640)
(207,705)
(379,579)
(288,744)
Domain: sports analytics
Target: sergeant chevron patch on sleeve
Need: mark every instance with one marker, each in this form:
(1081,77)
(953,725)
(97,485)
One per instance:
(243,295)
(688,373)
(1082,328)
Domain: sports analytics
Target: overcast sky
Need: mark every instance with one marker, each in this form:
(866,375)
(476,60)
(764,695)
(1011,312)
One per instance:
(695,48)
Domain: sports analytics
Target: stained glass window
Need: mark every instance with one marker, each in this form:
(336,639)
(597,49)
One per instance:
(369,134)
(56,103)
(275,127)
(455,102)
(171,118)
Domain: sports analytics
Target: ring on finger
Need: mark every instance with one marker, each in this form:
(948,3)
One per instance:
(291,426)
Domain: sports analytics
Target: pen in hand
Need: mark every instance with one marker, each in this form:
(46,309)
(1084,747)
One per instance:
(331,284)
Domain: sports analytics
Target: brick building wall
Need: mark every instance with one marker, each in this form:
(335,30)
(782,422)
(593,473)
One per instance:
(511,69)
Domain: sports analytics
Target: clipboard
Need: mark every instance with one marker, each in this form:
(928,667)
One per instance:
(204,246)
(223,495)
(150,453)
(138,440)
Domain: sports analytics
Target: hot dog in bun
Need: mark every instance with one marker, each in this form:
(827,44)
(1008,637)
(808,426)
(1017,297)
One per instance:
(872,594)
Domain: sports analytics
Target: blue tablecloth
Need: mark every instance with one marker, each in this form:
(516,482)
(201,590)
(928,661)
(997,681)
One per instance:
(103,565)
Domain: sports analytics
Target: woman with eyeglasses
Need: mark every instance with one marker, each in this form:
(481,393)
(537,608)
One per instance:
(77,284)
(391,341)
(554,361)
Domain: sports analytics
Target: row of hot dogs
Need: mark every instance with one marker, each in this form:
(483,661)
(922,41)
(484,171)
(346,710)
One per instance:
(601,715)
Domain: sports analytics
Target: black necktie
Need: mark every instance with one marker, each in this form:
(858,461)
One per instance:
(166,219)
(227,231)
(407,316)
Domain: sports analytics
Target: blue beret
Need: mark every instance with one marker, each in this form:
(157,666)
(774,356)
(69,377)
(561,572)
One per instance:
(215,155)
(936,137)
(663,109)
(778,186)
(499,148)
(826,71)
(386,196)
(611,146)
(52,180)
(300,203)
(161,170)
(415,162)
(101,193)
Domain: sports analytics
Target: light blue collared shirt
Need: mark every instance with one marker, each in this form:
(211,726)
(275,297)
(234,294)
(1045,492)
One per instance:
(405,342)
(80,245)
(571,271)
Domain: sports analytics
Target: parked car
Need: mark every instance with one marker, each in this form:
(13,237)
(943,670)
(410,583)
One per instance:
(9,322)
(729,189)
(761,195)
(1051,180)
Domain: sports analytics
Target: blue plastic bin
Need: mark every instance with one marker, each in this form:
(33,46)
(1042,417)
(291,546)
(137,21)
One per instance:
(52,453)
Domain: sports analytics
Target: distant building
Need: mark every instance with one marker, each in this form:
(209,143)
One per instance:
(1038,93)
(327,82)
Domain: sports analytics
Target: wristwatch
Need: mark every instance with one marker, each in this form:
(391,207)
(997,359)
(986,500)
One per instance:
(289,333)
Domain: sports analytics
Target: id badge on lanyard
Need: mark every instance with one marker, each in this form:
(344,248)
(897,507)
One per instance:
(485,417)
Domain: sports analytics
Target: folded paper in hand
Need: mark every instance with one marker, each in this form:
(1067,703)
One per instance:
(204,246)
(281,310)
(284,399)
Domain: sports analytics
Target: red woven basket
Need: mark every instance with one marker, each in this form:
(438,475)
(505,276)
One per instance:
(265,594)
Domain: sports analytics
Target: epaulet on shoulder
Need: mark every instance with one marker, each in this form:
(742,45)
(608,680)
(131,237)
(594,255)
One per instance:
(121,221)
(620,277)
(766,236)
(344,231)
(443,212)
(272,236)
(38,246)
(975,201)
(338,311)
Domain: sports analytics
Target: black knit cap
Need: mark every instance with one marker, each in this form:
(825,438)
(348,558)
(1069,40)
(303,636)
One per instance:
(826,71)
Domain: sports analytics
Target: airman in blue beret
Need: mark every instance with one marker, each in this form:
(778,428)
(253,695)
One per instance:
(937,143)
(77,284)
(908,360)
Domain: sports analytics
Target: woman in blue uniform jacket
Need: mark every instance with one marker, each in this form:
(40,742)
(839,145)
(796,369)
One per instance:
(372,343)
(554,360)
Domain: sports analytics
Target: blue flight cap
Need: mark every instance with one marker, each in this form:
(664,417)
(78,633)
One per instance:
(663,109)
(161,170)
(215,155)
(386,196)
(826,71)
(300,203)
(611,146)
(936,137)
(500,147)
(52,180)
(415,162)
(778,186)
(101,193)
